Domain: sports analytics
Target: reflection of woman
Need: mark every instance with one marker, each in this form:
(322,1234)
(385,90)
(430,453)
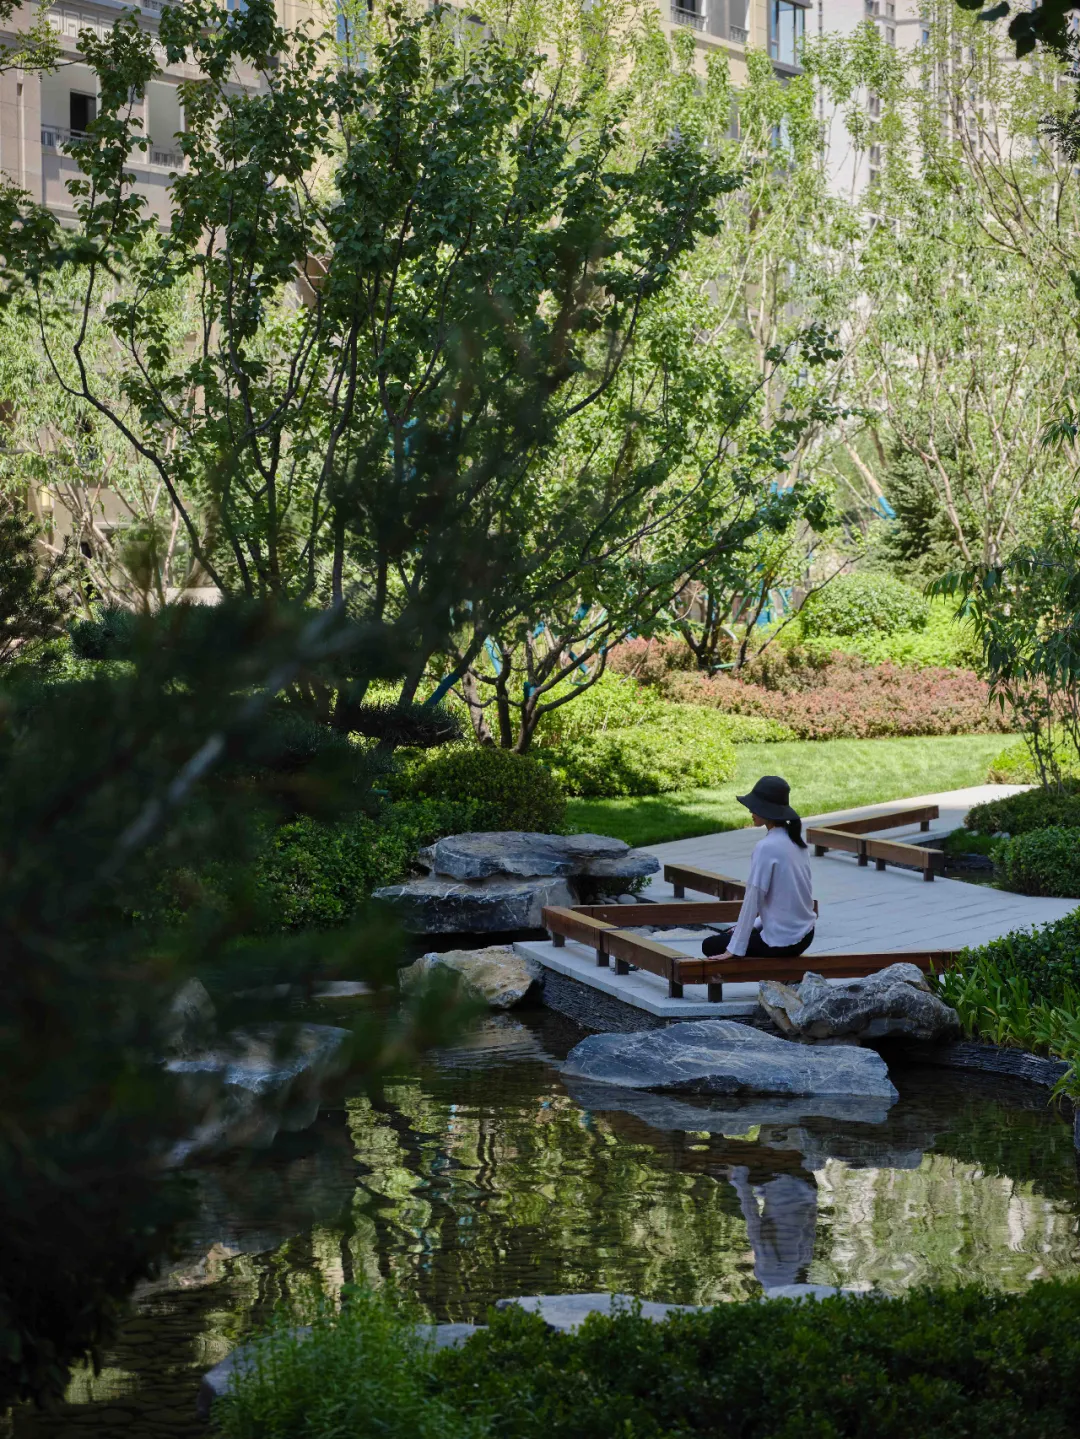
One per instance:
(781,1221)
(777,916)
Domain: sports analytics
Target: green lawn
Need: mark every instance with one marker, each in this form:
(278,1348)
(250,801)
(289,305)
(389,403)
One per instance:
(824,775)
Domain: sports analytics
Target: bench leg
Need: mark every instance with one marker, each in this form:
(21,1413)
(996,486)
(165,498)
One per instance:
(622,967)
(819,850)
(602,960)
(924,825)
(679,891)
(558,940)
(864,860)
(674,989)
(879,865)
(928,875)
(716,992)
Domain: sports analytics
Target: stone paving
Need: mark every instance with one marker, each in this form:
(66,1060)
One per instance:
(862,911)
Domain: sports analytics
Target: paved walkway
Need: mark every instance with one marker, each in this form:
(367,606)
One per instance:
(861,910)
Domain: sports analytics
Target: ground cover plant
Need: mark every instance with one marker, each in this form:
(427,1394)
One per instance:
(938,1364)
(844,697)
(1023,990)
(824,776)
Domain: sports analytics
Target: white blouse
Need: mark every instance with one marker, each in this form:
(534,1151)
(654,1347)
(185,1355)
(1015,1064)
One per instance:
(779,896)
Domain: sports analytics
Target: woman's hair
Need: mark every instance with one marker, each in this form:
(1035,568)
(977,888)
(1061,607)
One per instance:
(794,831)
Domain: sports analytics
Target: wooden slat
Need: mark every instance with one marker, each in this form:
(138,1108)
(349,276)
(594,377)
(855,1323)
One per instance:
(823,839)
(635,949)
(679,911)
(563,924)
(703,881)
(893,851)
(894,819)
(832,966)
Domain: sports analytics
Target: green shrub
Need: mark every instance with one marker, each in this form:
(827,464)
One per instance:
(614,702)
(691,749)
(1033,809)
(511,791)
(1047,958)
(1015,765)
(739,729)
(361,1372)
(316,875)
(933,1364)
(941,641)
(1044,861)
(857,604)
(936,1364)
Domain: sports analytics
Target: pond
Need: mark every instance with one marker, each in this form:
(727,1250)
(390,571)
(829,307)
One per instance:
(482,1176)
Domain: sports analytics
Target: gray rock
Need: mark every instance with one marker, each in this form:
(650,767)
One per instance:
(519,852)
(217,1382)
(190,1019)
(257,1083)
(431,905)
(635,864)
(495,974)
(895,1001)
(569,1311)
(717,1056)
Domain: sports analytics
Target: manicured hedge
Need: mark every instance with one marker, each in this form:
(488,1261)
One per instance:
(934,1364)
(1030,810)
(856,604)
(1047,958)
(688,749)
(511,791)
(1044,861)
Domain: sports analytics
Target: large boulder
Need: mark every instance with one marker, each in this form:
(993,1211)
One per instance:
(433,905)
(895,1001)
(735,1116)
(717,1056)
(495,974)
(520,853)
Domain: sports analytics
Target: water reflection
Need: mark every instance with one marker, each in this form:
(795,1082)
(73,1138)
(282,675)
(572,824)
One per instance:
(484,1175)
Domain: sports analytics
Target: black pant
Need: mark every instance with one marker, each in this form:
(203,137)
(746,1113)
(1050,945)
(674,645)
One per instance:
(756,947)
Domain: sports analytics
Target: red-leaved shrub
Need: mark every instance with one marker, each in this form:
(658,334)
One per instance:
(846,698)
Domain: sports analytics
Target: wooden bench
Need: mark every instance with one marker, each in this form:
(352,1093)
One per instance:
(854,836)
(613,943)
(703,881)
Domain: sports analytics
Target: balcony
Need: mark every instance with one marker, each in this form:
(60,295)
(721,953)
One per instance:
(681,16)
(55,137)
(738,34)
(58,137)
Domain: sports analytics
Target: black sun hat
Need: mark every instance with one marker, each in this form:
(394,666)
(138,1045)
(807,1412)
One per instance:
(769,798)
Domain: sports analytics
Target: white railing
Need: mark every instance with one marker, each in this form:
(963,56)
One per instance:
(738,34)
(58,137)
(54,136)
(167,159)
(681,16)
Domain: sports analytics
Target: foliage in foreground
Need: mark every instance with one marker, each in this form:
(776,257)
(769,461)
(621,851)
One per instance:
(938,1364)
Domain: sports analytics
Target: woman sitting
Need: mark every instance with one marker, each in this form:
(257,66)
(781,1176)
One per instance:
(777,916)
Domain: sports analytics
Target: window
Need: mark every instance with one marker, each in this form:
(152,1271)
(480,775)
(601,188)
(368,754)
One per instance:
(890,10)
(925,37)
(82,111)
(787,25)
(890,35)
(873,105)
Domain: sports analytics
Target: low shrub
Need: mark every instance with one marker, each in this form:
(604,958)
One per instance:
(687,750)
(1044,808)
(1015,765)
(614,701)
(942,641)
(1046,958)
(843,697)
(856,604)
(651,661)
(315,875)
(939,1364)
(361,1371)
(511,791)
(1043,861)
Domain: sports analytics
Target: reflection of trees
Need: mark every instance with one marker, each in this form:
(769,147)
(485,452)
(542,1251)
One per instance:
(469,1207)
(946,1222)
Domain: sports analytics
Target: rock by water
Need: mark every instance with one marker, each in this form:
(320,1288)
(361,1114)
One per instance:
(520,852)
(716,1056)
(895,1001)
(496,974)
(433,905)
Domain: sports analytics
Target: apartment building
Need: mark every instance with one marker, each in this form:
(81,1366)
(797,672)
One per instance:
(730,26)
(39,113)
